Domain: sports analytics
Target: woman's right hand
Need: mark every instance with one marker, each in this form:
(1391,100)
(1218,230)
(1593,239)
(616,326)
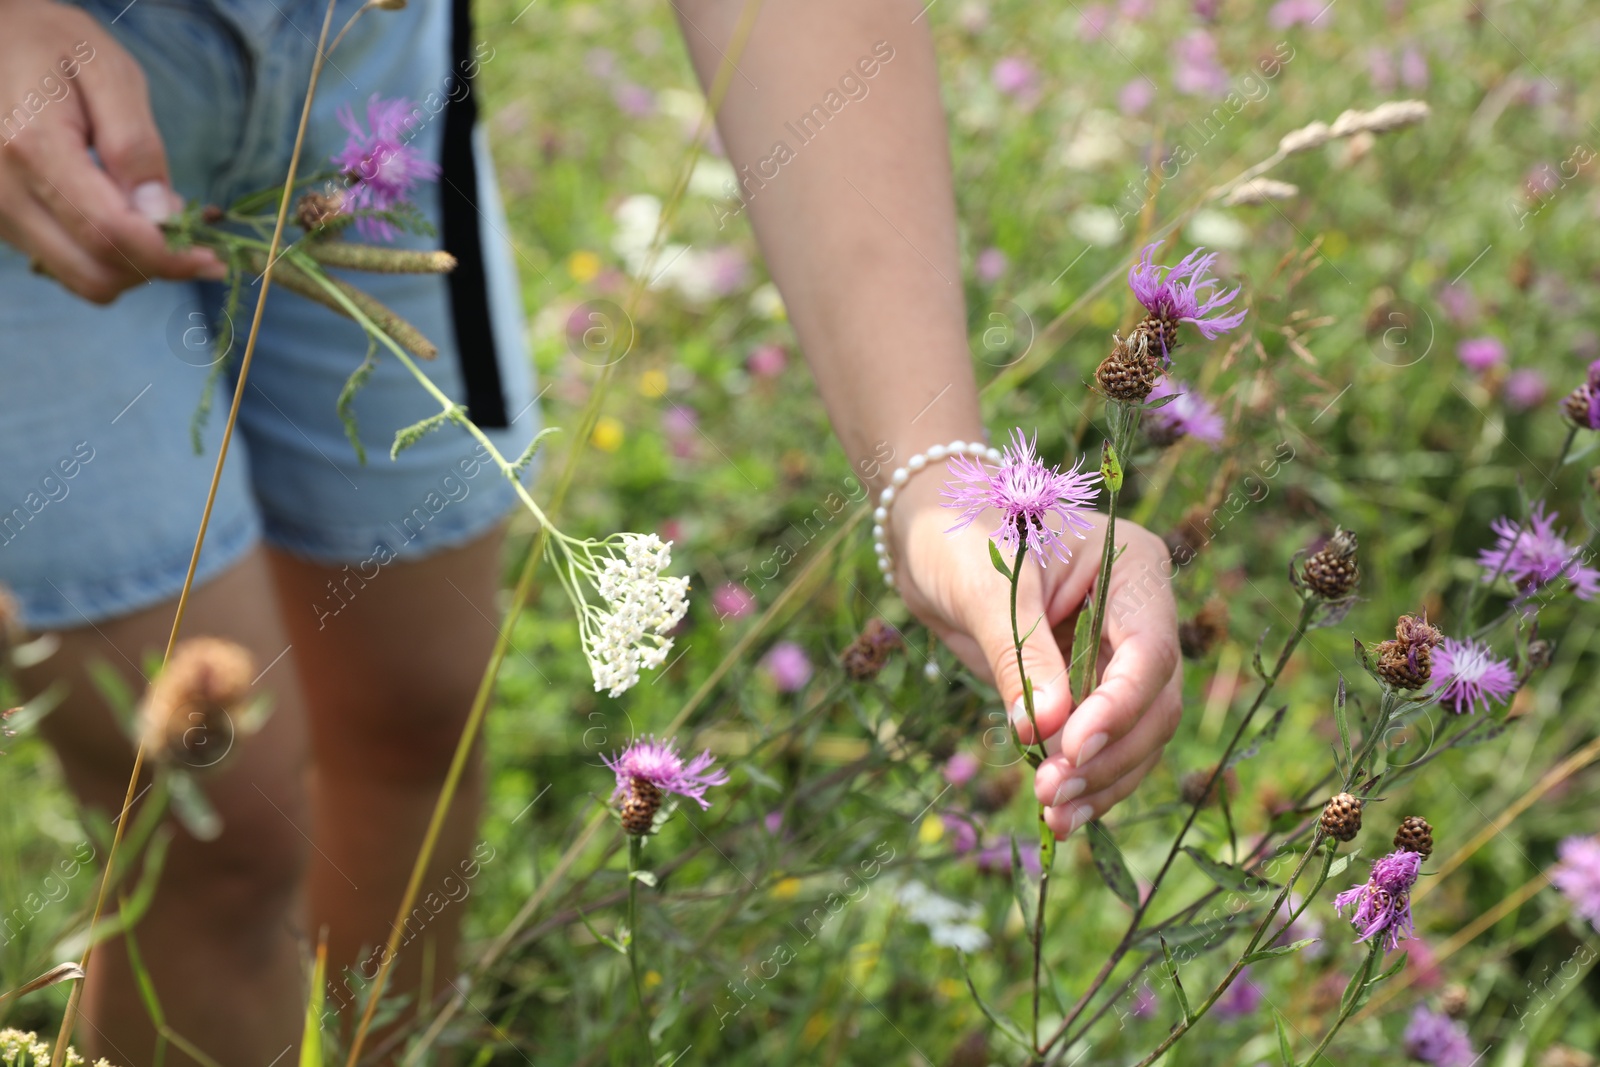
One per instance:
(67,87)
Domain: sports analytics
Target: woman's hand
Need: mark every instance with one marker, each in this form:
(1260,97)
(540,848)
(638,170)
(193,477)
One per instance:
(1102,749)
(71,88)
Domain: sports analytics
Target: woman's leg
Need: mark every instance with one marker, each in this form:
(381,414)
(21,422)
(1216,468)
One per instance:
(224,936)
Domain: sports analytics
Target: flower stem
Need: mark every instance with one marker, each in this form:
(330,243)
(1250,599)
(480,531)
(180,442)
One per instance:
(1352,999)
(1124,421)
(635,846)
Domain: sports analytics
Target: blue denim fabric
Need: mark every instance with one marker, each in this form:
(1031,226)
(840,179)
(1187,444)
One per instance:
(101,490)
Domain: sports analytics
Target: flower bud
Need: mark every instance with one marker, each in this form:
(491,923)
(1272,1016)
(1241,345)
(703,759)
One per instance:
(1341,817)
(1415,835)
(870,651)
(1197,637)
(640,805)
(1128,373)
(1333,570)
(190,704)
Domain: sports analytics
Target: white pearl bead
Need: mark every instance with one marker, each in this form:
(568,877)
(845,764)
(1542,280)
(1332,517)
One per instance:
(995,455)
(899,477)
(881,549)
(936,453)
(888,579)
(930,671)
(883,565)
(877,533)
(958,447)
(881,515)
(888,497)
(917,462)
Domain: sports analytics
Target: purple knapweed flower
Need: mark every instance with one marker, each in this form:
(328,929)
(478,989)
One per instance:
(379,164)
(1017,78)
(773,821)
(1286,13)
(963,833)
(1190,415)
(1526,389)
(1480,353)
(997,858)
(990,265)
(960,768)
(1383,902)
(767,361)
(1459,303)
(1195,70)
(1144,1002)
(1582,405)
(1577,875)
(1534,556)
(660,764)
(1026,493)
(1135,97)
(1184,293)
(732,601)
(1240,999)
(1436,1039)
(788,666)
(633,99)
(1414,68)
(1467,674)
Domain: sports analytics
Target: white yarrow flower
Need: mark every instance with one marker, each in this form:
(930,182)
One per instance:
(644,605)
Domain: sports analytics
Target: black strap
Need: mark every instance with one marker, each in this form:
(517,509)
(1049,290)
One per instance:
(462,226)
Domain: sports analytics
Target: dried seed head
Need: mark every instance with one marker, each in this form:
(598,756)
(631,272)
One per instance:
(994,794)
(1453,1000)
(1197,637)
(1539,653)
(1128,373)
(639,807)
(1415,835)
(1260,191)
(1333,570)
(1389,115)
(1192,788)
(1418,631)
(1578,407)
(211,214)
(1555,1055)
(315,210)
(187,712)
(870,651)
(1305,138)
(1341,817)
(1404,666)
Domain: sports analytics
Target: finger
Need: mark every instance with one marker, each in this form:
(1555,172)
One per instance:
(31,227)
(121,126)
(1074,814)
(1059,780)
(1142,630)
(988,620)
(100,216)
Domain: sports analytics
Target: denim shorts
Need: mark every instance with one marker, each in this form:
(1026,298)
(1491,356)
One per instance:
(101,488)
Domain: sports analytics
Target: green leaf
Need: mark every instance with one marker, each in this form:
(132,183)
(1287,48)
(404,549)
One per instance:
(141,977)
(192,807)
(998,560)
(343,406)
(1264,736)
(1001,1022)
(1020,887)
(647,877)
(1110,468)
(1281,950)
(1285,1047)
(609,942)
(1177,984)
(311,1035)
(1255,662)
(1228,877)
(1336,868)
(1392,970)
(1339,717)
(116,691)
(1078,678)
(1109,862)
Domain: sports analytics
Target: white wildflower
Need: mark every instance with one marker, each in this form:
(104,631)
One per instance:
(949,922)
(643,606)
(1260,191)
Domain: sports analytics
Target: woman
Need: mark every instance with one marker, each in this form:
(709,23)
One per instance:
(105,353)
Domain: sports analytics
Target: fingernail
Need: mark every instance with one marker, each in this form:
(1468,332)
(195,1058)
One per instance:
(1019,714)
(1091,748)
(1081,814)
(1070,788)
(1047,781)
(152,200)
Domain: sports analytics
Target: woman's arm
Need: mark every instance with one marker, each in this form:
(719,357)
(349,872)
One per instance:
(834,125)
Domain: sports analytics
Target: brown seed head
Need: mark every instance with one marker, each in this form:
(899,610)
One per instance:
(1415,835)
(870,651)
(1192,788)
(1208,629)
(315,210)
(1341,817)
(1415,631)
(1404,666)
(1576,406)
(187,709)
(1453,1000)
(639,807)
(1128,373)
(1333,570)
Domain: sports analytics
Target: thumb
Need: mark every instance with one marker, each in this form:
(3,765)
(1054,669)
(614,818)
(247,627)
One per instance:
(1042,663)
(122,131)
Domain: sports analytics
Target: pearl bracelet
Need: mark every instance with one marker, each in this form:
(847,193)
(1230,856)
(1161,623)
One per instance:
(902,475)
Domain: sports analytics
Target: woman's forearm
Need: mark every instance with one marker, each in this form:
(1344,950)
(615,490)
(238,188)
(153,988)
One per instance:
(832,121)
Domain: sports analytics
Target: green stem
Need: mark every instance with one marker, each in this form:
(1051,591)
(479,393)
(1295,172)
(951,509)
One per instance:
(635,846)
(1124,422)
(1352,998)
(1016,642)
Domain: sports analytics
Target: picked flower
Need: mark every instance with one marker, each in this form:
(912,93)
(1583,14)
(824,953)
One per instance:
(1383,903)
(1187,415)
(1179,294)
(648,770)
(1027,494)
(1534,556)
(1467,674)
(645,605)
(379,163)
(1582,405)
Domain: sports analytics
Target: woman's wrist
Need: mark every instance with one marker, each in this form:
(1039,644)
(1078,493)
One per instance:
(912,488)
